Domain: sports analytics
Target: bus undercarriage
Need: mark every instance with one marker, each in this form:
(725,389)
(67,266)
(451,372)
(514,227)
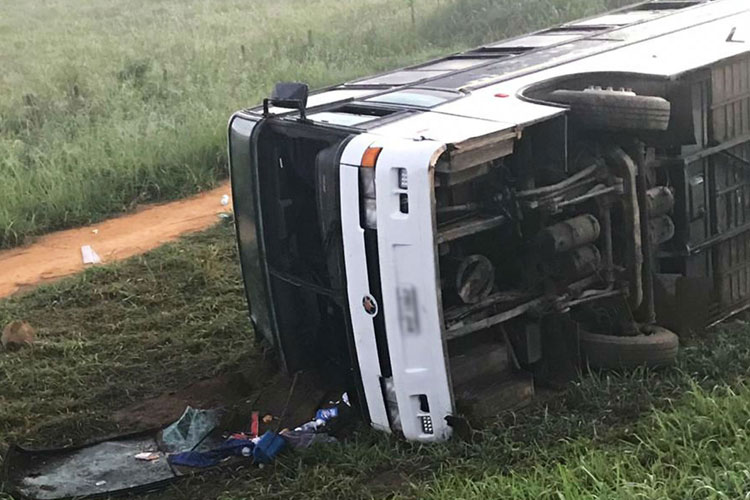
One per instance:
(449,278)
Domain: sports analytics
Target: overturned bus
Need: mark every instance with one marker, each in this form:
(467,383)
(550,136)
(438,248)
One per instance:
(455,232)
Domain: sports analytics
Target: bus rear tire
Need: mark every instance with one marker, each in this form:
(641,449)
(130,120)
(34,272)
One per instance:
(656,349)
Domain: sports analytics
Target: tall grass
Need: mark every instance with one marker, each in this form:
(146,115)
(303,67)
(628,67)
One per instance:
(698,449)
(107,104)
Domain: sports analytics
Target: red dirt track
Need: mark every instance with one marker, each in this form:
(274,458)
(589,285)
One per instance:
(59,254)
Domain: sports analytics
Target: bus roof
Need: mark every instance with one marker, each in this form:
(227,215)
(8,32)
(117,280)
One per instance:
(483,88)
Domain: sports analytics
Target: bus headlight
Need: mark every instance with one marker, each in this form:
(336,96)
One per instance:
(368,210)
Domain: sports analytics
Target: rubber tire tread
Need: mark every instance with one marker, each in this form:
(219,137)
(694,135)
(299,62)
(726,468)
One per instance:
(610,352)
(615,111)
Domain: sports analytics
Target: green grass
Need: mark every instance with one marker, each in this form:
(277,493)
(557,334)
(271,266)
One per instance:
(107,104)
(117,334)
(121,333)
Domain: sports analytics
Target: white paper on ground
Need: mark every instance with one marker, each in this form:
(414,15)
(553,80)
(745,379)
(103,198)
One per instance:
(147,456)
(89,255)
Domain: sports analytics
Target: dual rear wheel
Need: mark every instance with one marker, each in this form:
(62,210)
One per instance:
(612,110)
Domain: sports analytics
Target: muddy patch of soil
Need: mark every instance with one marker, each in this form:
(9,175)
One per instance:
(264,390)
(223,391)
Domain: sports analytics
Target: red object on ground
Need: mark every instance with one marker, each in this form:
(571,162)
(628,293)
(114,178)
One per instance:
(254,424)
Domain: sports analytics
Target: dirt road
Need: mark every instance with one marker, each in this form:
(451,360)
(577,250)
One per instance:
(59,254)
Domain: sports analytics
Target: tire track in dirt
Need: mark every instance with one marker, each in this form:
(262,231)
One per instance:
(58,254)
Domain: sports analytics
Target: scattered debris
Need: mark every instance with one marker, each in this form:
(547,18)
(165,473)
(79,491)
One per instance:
(267,447)
(130,464)
(95,231)
(190,431)
(321,429)
(232,447)
(18,334)
(194,441)
(330,417)
(254,425)
(94,470)
(303,439)
(262,450)
(225,200)
(89,255)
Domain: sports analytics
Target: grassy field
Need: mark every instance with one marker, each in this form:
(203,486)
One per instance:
(121,333)
(108,104)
